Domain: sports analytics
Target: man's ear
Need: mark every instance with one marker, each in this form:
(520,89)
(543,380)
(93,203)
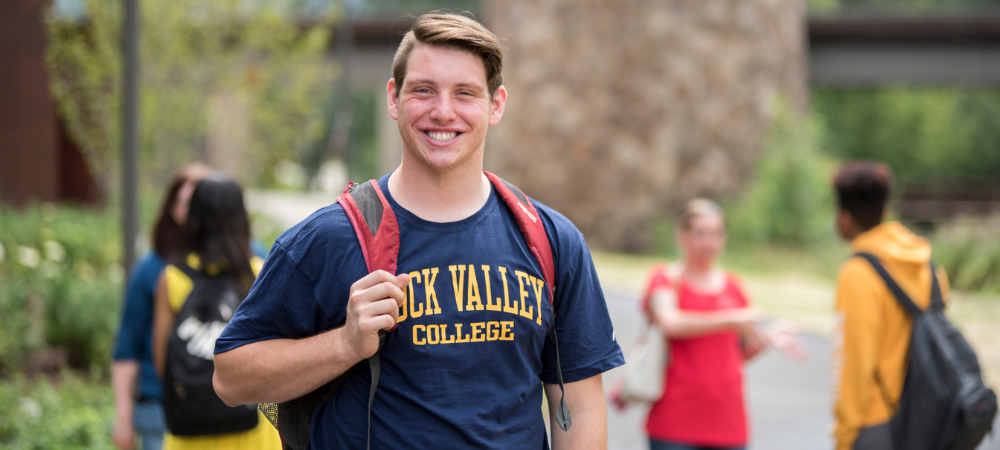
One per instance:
(498,104)
(393,99)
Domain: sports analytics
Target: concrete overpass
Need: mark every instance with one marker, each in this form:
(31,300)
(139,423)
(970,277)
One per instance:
(867,51)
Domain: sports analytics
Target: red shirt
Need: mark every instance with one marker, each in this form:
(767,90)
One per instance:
(703,402)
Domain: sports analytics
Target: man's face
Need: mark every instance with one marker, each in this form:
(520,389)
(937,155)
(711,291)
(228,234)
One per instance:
(443,108)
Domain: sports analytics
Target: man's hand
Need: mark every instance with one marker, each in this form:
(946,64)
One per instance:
(123,434)
(373,305)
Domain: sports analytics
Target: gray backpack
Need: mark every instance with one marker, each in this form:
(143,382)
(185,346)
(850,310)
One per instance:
(945,405)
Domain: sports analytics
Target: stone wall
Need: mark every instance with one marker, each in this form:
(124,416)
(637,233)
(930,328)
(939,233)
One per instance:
(620,110)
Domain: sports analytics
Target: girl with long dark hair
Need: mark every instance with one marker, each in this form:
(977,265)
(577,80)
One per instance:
(215,249)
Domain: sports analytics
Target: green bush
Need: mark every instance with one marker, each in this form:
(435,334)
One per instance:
(73,413)
(789,201)
(968,250)
(60,283)
(931,137)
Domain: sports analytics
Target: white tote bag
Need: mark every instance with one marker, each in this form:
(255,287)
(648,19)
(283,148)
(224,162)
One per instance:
(645,367)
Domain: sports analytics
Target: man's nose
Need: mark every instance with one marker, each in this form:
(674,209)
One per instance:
(443,110)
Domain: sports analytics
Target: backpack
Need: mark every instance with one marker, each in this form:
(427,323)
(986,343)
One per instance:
(378,233)
(945,405)
(190,405)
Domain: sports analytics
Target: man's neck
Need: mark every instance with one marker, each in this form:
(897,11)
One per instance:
(439,196)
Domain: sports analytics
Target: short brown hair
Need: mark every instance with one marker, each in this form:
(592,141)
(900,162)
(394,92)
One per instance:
(451,31)
(863,189)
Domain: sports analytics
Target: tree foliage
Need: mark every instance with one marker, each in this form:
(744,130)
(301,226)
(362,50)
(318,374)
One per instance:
(265,60)
(931,137)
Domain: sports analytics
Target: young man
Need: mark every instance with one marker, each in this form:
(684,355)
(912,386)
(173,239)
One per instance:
(466,365)
(873,330)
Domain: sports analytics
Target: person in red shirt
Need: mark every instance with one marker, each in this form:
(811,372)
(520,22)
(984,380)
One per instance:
(711,330)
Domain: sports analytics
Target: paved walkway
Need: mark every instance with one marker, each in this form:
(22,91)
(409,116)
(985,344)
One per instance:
(789,402)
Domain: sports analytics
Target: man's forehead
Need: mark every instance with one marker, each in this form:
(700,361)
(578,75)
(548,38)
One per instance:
(438,64)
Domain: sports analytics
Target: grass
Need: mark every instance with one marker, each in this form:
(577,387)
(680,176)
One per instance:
(798,286)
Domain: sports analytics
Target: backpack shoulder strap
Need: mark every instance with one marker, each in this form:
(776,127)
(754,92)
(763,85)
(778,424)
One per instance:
(531,227)
(903,299)
(537,239)
(937,300)
(374,223)
(378,232)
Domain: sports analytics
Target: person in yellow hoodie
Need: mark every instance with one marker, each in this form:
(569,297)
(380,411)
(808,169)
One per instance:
(872,338)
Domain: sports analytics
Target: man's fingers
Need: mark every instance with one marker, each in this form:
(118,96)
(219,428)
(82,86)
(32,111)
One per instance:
(381,291)
(402,280)
(373,279)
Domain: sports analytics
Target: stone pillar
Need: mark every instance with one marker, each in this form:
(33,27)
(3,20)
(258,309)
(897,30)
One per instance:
(619,110)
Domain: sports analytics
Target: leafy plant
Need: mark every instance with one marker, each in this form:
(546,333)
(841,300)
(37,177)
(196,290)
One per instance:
(968,250)
(789,201)
(257,66)
(68,413)
(61,285)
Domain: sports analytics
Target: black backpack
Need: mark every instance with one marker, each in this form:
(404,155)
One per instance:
(190,404)
(945,405)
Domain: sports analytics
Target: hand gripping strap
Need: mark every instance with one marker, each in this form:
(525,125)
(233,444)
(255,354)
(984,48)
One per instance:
(537,239)
(378,232)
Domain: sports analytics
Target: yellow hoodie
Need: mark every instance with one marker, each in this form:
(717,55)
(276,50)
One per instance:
(873,331)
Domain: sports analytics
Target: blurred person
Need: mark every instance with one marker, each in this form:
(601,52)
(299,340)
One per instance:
(137,388)
(705,315)
(872,337)
(196,295)
(463,264)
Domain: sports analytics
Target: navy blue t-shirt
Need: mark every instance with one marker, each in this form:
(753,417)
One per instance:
(465,366)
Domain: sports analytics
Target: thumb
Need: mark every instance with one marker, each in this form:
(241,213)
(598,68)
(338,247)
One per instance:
(402,280)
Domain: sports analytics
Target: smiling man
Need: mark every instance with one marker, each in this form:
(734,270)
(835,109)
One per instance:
(469,358)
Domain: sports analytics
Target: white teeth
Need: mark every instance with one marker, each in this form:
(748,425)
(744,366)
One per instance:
(442,136)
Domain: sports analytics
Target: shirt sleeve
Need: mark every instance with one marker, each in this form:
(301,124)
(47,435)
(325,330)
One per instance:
(303,287)
(137,312)
(280,305)
(587,344)
(855,349)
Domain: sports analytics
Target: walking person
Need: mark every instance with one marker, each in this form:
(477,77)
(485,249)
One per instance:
(137,389)
(872,340)
(197,294)
(705,314)
(469,309)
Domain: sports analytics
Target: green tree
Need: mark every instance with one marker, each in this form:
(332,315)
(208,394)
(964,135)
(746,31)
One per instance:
(263,59)
(929,136)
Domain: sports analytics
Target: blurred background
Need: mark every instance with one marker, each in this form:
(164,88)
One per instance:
(619,111)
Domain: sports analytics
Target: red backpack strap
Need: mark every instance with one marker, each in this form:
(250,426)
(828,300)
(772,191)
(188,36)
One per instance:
(374,223)
(378,232)
(531,227)
(537,239)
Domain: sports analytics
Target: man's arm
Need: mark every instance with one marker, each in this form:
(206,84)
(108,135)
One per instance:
(585,399)
(123,376)
(279,370)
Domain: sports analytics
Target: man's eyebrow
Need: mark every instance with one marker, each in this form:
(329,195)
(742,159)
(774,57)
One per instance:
(419,81)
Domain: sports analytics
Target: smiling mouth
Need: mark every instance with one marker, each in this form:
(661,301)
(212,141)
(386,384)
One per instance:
(441,137)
